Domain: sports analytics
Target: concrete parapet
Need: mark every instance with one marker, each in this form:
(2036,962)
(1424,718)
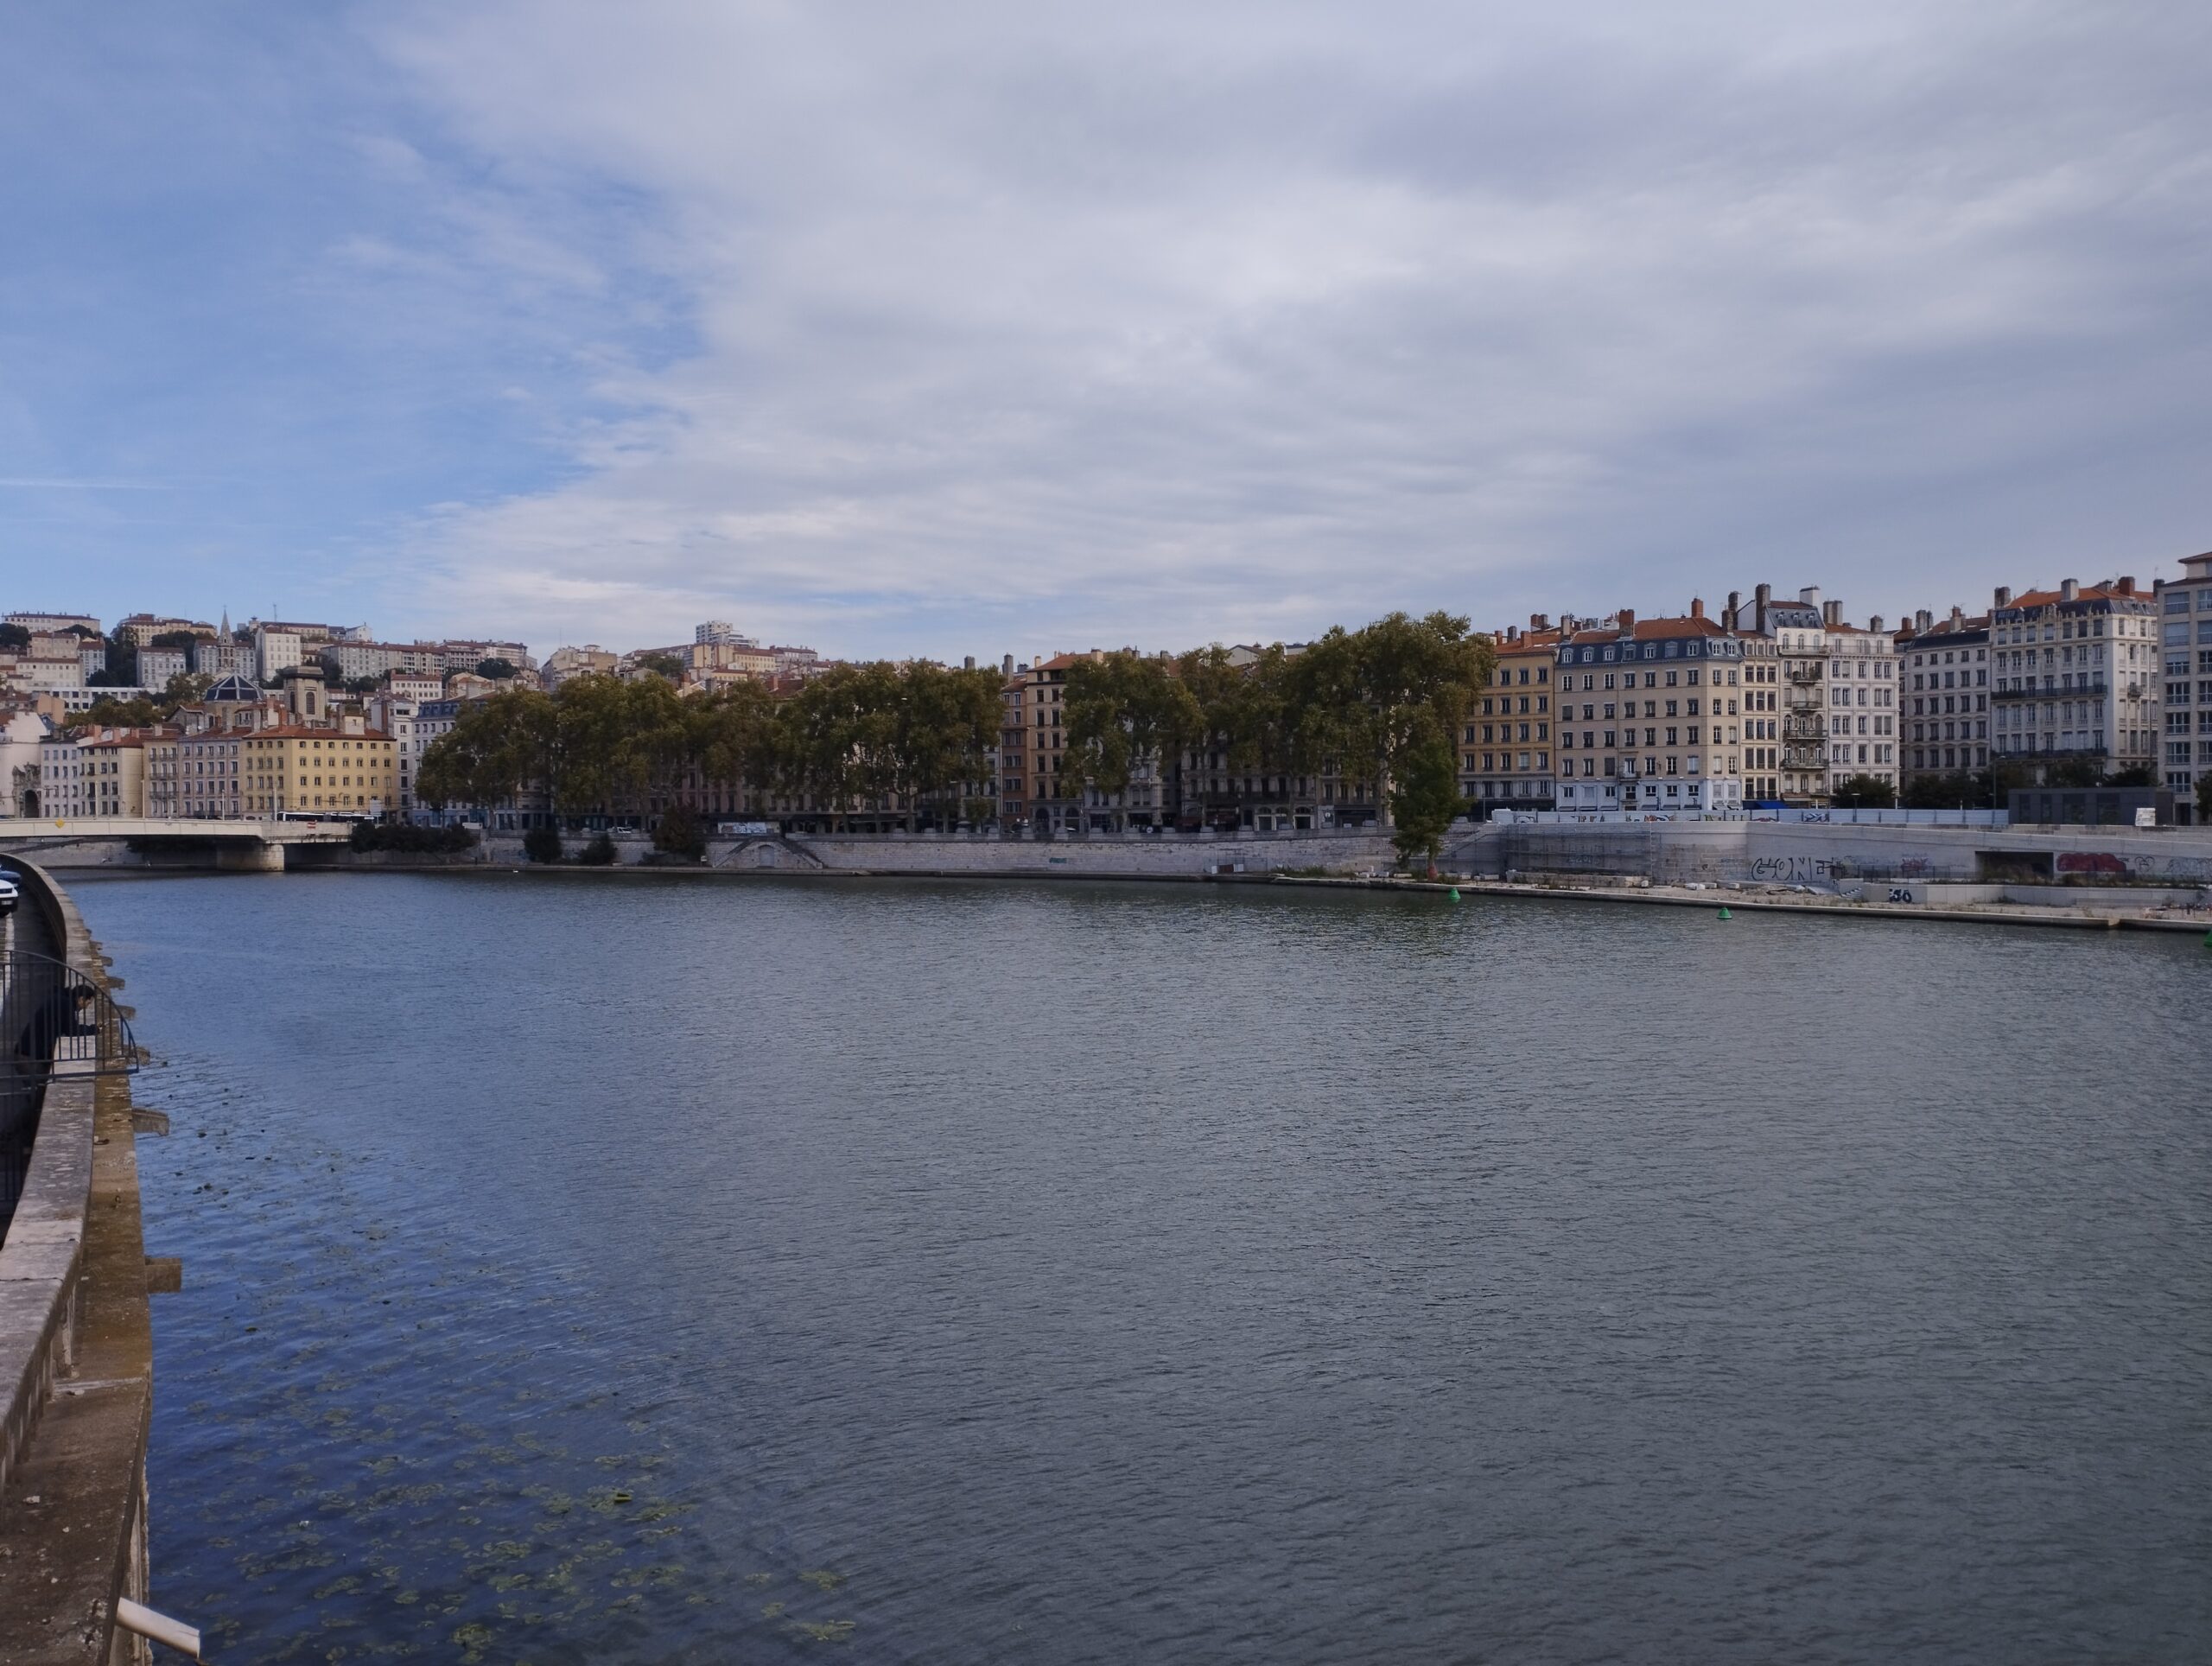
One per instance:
(1828,854)
(1100,857)
(76,1358)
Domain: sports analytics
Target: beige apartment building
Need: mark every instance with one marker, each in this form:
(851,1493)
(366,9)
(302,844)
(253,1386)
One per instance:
(1650,714)
(114,774)
(1505,745)
(2075,674)
(348,769)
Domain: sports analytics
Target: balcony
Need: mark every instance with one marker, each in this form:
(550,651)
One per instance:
(1804,725)
(1805,673)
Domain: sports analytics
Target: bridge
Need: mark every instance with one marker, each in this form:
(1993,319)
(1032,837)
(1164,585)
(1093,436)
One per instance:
(249,846)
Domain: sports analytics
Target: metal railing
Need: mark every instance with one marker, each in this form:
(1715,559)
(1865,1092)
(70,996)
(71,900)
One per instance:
(52,1015)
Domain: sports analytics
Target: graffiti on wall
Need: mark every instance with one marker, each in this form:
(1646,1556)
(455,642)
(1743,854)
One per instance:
(2105,864)
(1797,870)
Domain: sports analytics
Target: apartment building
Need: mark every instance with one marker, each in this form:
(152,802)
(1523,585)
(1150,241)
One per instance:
(197,767)
(1505,745)
(1648,715)
(2184,612)
(139,630)
(195,775)
(223,654)
(1862,702)
(38,623)
(157,665)
(1835,713)
(2075,675)
(94,774)
(397,714)
(1761,703)
(348,768)
(1031,742)
(1943,695)
(590,660)
(349,662)
(277,652)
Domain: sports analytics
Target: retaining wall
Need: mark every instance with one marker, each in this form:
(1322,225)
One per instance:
(1825,854)
(76,1356)
(1100,857)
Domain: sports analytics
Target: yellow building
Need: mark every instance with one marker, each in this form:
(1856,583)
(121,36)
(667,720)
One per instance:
(350,769)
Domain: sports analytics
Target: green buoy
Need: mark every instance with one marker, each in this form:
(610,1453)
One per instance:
(1455,897)
(1724,914)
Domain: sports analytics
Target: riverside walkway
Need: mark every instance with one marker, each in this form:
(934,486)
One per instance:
(76,1346)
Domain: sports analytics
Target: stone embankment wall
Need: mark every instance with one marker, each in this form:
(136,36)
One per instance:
(1829,854)
(1102,857)
(76,1352)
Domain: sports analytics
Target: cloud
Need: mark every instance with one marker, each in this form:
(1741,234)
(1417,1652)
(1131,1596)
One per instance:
(977,326)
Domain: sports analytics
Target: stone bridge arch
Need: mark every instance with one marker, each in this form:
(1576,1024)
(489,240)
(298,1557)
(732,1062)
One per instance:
(771,854)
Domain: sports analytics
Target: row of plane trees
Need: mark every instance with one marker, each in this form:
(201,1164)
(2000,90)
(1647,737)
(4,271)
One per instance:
(917,741)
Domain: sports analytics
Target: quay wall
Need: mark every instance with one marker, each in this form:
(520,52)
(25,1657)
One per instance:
(76,1349)
(1826,856)
(1102,857)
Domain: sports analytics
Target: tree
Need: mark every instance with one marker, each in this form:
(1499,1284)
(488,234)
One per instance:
(185,639)
(122,671)
(1244,714)
(1424,795)
(1122,712)
(600,853)
(1369,700)
(14,638)
(736,741)
(2071,772)
(1864,792)
(111,713)
(1967,789)
(498,671)
(2133,775)
(680,835)
(660,664)
(948,724)
(541,844)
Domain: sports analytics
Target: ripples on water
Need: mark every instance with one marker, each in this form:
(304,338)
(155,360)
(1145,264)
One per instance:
(588,1270)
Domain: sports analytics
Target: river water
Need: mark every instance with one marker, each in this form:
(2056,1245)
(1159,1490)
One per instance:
(590,1269)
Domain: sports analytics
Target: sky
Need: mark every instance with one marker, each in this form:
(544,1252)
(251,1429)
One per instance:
(983,329)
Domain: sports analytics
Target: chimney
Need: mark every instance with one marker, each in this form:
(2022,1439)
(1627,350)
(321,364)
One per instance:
(1764,594)
(1735,606)
(1810,597)
(2004,595)
(1006,667)
(1628,622)
(1958,617)
(2127,585)
(1540,621)
(2069,588)
(1874,623)
(1830,612)
(1697,606)
(1924,620)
